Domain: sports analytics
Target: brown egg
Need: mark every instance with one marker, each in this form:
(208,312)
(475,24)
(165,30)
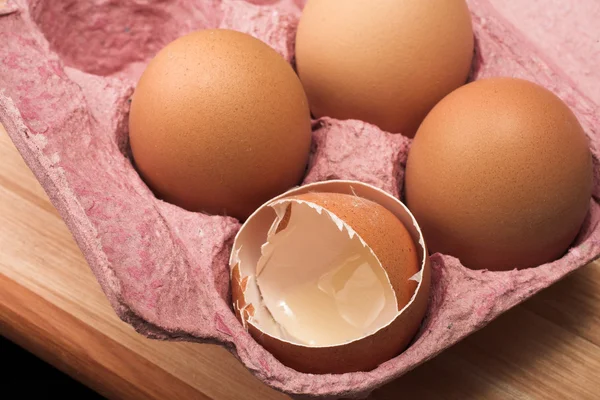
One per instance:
(219,123)
(500,175)
(386,62)
(331,277)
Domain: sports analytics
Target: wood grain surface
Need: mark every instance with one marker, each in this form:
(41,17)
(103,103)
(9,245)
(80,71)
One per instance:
(51,304)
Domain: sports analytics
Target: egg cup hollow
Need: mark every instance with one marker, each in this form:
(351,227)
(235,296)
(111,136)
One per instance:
(67,72)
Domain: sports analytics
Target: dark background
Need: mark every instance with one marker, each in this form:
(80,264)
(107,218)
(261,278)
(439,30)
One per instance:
(24,375)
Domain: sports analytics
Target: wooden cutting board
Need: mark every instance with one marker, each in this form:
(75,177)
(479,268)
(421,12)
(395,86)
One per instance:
(51,304)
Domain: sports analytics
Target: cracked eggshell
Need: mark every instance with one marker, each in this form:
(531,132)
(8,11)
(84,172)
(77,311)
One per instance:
(372,230)
(361,354)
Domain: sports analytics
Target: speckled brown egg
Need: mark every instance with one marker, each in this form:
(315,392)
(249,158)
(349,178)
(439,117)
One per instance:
(219,123)
(500,175)
(386,62)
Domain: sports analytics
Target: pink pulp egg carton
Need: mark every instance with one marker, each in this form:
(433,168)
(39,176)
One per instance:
(67,71)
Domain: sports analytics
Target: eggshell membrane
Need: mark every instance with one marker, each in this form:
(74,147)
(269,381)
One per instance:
(219,123)
(500,175)
(165,270)
(386,62)
(368,352)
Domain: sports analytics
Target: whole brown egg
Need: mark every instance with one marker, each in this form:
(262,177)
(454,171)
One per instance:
(219,123)
(500,175)
(386,62)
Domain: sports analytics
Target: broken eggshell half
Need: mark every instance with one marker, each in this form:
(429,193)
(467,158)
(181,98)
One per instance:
(331,277)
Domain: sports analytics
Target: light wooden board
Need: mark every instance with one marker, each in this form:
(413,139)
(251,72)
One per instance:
(51,304)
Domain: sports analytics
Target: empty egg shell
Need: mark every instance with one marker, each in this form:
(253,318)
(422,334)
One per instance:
(331,277)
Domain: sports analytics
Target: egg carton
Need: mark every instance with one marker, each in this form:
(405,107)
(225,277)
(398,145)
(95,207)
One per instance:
(67,71)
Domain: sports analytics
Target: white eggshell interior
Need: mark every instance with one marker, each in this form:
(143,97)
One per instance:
(319,280)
